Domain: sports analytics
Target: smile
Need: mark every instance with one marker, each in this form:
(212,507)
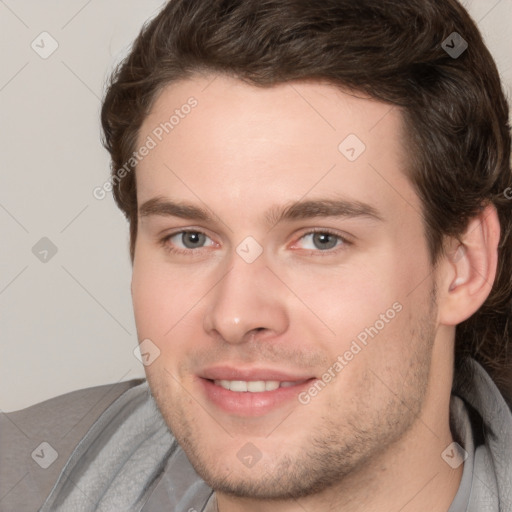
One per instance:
(251,398)
(254,386)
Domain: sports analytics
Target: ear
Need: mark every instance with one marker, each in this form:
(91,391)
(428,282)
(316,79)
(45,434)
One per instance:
(468,268)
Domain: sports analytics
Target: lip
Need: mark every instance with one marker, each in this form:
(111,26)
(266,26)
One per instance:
(248,404)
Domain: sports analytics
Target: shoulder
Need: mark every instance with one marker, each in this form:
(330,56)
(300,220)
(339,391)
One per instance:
(36,442)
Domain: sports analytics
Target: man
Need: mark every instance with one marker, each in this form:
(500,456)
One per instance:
(320,219)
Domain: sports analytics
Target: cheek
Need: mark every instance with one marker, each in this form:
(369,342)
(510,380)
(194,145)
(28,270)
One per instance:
(166,300)
(347,298)
(372,304)
(157,298)
(158,307)
(147,294)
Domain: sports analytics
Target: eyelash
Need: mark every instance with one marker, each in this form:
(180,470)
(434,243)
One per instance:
(173,250)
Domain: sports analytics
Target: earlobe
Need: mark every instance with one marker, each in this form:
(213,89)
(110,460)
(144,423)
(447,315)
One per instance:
(469,271)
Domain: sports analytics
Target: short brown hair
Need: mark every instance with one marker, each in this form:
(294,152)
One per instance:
(454,107)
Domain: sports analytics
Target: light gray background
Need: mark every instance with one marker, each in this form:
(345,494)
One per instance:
(67,323)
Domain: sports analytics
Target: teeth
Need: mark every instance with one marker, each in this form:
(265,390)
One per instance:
(257,386)
(237,385)
(253,386)
(270,385)
(288,384)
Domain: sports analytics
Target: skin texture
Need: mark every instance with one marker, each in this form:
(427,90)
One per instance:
(372,438)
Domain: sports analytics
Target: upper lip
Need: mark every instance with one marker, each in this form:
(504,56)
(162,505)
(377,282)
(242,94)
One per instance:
(251,374)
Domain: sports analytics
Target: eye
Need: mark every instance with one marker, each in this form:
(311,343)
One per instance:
(322,241)
(185,241)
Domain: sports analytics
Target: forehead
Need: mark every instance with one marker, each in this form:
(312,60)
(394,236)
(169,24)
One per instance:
(244,146)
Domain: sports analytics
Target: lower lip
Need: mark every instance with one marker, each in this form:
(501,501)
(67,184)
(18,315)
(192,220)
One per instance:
(251,404)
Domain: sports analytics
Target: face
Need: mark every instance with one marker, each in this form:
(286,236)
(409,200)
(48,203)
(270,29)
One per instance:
(282,275)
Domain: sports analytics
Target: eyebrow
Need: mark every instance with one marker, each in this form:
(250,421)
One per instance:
(294,211)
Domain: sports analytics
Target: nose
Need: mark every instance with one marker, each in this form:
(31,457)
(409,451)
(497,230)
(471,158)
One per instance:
(249,299)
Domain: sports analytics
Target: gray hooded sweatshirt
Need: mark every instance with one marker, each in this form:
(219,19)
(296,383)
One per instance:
(108,449)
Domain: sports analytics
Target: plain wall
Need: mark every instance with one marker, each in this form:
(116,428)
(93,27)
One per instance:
(67,322)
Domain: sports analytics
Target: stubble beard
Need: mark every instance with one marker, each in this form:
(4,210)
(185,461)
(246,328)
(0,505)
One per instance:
(334,449)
